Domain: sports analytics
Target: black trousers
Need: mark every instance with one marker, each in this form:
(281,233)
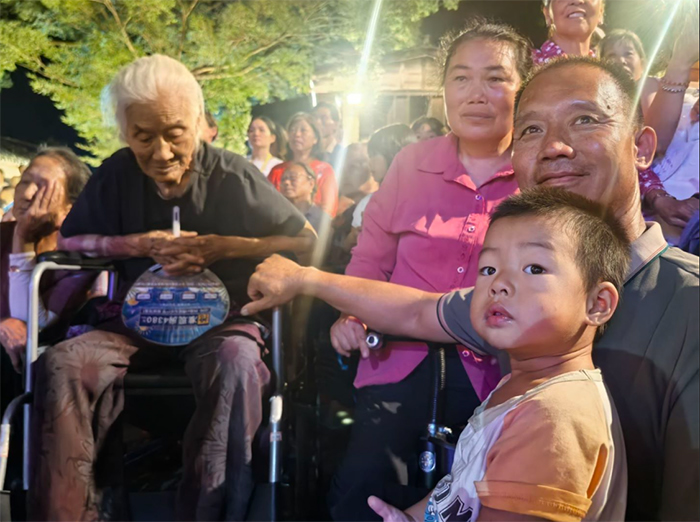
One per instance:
(382,455)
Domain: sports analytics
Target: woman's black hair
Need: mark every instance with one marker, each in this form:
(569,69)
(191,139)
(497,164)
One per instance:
(435,125)
(487,30)
(279,148)
(622,35)
(389,140)
(316,151)
(76,172)
(309,173)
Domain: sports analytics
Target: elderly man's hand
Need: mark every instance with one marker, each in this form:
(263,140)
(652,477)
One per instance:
(276,281)
(13,337)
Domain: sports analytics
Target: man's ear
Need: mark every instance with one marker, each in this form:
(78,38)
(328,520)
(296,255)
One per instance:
(645,142)
(601,304)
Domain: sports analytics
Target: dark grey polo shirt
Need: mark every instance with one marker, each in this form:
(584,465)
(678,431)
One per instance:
(650,359)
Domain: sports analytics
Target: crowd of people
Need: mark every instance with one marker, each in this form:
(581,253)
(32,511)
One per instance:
(544,239)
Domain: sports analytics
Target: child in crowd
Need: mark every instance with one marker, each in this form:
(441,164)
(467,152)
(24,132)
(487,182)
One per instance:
(546,443)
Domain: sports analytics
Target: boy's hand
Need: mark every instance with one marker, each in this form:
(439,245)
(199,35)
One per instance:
(388,512)
(276,281)
(348,334)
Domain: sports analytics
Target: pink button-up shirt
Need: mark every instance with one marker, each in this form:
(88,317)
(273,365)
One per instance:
(424,228)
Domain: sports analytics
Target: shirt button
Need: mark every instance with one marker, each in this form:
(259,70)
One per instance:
(478,197)
(465,353)
(460,270)
(471,229)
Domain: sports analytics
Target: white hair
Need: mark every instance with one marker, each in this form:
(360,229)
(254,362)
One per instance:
(143,81)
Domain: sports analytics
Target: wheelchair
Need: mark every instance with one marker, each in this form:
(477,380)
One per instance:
(284,467)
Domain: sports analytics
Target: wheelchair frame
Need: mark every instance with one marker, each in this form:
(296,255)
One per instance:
(77,262)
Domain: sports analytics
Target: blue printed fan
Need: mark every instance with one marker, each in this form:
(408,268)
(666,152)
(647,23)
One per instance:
(174,311)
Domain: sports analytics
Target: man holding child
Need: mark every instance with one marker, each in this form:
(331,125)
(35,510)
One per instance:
(577,129)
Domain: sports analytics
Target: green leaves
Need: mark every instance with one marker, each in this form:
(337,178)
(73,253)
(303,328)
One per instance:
(241,51)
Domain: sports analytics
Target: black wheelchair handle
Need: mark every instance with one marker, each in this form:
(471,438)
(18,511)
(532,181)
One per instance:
(376,340)
(77,259)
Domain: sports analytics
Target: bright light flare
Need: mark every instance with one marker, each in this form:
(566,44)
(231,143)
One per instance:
(676,6)
(354,98)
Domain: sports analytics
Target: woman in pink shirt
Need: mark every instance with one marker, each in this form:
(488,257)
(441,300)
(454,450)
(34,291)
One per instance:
(424,228)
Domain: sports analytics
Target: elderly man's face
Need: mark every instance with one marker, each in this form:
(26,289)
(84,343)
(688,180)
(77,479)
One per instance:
(163,136)
(572,131)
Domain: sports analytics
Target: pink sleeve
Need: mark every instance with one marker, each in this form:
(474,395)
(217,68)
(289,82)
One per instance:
(374,257)
(648,181)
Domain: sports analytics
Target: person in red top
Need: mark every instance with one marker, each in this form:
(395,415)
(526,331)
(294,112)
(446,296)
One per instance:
(424,228)
(305,147)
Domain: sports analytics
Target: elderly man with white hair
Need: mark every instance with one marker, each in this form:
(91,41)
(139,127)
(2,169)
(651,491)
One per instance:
(230,216)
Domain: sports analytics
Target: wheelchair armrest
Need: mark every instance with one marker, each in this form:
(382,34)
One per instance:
(76,259)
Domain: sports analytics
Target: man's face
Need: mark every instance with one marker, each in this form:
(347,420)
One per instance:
(163,137)
(328,126)
(572,131)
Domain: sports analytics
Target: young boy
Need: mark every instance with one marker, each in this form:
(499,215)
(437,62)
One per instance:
(546,444)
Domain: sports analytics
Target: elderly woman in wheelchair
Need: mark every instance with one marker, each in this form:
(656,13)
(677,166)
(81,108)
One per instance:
(230,218)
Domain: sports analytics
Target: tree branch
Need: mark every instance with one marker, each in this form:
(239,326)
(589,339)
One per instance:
(183,30)
(122,26)
(40,68)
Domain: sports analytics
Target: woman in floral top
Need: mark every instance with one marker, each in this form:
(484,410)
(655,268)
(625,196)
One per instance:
(571,26)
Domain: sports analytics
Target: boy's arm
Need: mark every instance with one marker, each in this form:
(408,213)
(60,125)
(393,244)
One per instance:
(385,307)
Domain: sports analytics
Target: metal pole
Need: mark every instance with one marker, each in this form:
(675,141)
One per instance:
(276,402)
(32,352)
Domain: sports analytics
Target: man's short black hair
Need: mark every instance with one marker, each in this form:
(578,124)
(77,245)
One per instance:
(77,173)
(602,247)
(332,108)
(626,86)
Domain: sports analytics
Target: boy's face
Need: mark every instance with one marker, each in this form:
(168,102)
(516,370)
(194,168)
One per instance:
(529,298)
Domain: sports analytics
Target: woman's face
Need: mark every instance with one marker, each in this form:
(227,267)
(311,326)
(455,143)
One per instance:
(425,132)
(480,86)
(302,138)
(624,53)
(575,19)
(259,135)
(42,172)
(296,185)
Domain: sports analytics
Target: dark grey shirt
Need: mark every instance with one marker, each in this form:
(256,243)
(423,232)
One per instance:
(649,356)
(227,196)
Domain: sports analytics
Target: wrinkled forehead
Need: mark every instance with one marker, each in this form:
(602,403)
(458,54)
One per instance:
(43,168)
(294,172)
(555,92)
(170,108)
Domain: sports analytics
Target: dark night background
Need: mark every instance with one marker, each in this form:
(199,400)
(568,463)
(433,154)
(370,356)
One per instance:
(32,118)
